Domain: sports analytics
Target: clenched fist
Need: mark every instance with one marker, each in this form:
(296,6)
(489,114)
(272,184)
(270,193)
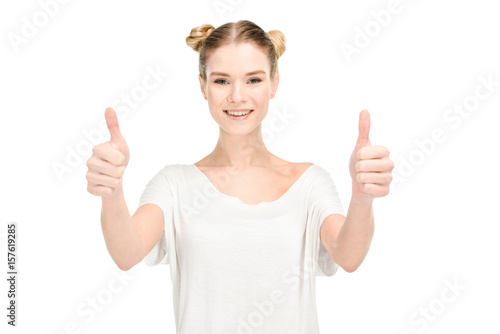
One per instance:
(108,161)
(369,166)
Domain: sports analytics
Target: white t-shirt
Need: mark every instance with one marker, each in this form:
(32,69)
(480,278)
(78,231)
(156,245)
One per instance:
(237,267)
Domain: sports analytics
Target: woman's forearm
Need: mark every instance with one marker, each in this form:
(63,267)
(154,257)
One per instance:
(355,236)
(120,234)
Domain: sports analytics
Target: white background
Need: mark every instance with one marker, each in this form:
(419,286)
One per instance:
(438,224)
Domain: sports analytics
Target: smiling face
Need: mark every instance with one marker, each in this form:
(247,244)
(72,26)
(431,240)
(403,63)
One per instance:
(238,78)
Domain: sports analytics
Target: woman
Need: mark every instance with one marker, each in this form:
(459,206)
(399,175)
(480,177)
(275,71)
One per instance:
(245,232)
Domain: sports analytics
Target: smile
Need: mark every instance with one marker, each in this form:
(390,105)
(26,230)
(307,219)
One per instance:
(238,113)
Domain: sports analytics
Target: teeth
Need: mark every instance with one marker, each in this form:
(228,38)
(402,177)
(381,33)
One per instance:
(237,113)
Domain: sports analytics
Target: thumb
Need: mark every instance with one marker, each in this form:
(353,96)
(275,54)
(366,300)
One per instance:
(364,129)
(113,127)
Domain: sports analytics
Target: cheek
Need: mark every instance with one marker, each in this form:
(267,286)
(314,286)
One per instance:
(262,96)
(214,96)
(218,91)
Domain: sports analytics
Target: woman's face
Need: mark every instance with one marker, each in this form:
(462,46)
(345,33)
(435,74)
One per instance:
(238,77)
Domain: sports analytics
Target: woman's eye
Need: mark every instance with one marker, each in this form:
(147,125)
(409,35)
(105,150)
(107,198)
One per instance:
(223,81)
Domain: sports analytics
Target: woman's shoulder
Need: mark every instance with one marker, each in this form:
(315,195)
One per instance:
(302,167)
(314,172)
(172,170)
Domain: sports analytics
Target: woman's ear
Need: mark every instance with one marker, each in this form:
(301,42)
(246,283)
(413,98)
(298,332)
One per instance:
(202,86)
(275,84)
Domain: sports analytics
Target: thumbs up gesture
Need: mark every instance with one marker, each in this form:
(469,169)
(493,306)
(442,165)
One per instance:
(370,166)
(108,161)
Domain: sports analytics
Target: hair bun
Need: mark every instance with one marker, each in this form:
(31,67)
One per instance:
(278,40)
(198,36)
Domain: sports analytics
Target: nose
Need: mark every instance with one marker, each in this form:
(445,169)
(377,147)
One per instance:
(237,93)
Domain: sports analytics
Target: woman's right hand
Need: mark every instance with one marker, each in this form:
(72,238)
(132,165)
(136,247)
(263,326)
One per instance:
(108,161)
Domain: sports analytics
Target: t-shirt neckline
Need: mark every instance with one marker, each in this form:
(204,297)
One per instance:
(238,200)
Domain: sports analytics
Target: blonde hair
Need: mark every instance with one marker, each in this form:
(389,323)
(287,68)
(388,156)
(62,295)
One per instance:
(205,39)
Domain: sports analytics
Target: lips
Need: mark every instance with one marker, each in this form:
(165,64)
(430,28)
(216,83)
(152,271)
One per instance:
(247,111)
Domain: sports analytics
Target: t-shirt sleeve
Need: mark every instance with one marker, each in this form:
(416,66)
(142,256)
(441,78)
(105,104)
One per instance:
(158,191)
(323,201)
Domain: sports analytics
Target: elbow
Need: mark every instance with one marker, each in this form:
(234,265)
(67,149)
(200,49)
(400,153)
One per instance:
(349,265)
(127,263)
(125,267)
(350,269)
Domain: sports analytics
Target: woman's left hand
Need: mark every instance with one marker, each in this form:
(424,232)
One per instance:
(370,166)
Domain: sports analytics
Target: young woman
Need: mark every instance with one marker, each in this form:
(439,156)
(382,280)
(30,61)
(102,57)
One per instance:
(245,233)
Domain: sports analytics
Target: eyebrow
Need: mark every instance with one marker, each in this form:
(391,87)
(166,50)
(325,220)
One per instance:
(222,74)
